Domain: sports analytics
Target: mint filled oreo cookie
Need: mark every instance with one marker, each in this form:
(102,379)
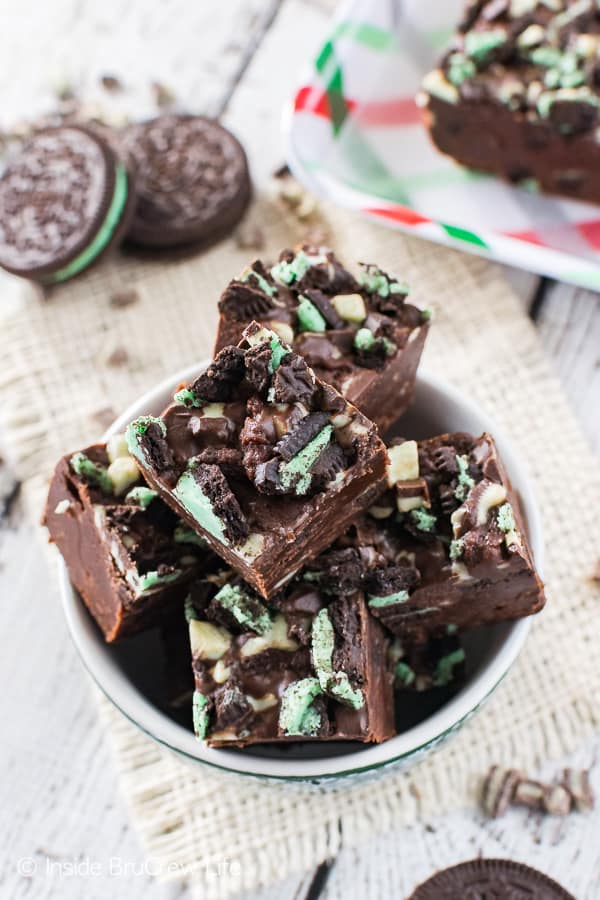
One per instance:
(193,184)
(479,879)
(65,200)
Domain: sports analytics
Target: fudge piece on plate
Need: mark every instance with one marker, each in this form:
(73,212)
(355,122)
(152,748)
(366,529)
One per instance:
(446,546)
(127,553)
(261,458)
(358,334)
(517,94)
(309,666)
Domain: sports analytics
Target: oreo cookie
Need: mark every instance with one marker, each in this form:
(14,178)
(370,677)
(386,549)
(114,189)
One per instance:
(481,879)
(64,201)
(192,185)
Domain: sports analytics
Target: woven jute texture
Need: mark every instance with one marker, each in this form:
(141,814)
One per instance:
(229,834)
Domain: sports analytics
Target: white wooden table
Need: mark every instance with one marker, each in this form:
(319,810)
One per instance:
(64,830)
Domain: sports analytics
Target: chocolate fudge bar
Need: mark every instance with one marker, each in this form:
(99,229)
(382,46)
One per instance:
(261,458)
(424,665)
(127,553)
(357,333)
(445,547)
(518,94)
(311,666)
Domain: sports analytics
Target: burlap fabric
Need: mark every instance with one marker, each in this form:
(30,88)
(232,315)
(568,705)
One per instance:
(59,380)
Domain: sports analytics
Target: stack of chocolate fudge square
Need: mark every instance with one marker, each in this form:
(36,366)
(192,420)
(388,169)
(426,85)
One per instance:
(320,572)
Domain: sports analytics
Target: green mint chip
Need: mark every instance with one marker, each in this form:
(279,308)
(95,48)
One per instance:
(364,339)
(184,535)
(269,289)
(444,671)
(247,610)
(404,674)
(141,496)
(506,518)
(424,520)
(91,472)
(200,715)
(297,715)
(185,397)
(336,684)
(309,317)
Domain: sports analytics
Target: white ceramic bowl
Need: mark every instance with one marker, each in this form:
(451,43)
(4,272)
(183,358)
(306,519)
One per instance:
(130,673)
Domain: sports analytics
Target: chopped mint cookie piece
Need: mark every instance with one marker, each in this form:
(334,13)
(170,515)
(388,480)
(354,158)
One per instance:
(444,670)
(261,281)
(92,472)
(200,715)
(404,674)
(153,579)
(375,281)
(309,317)
(137,429)
(465,482)
(141,496)
(278,352)
(388,600)
(479,45)
(505,518)
(297,715)
(337,684)
(457,547)
(246,608)
(364,339)
(296,472)
(460,68)
(424,520)
(189,610)
(186,397)
(294,270)
(185,535)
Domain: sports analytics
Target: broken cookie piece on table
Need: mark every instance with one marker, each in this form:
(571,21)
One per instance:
(129,556)
(358,333)
(445,547)
(261,458)
(308,666)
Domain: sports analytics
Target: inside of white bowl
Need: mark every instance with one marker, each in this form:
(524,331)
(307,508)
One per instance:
(132,674)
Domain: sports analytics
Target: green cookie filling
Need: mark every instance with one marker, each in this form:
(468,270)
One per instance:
(297,715)
(186,397)
(137,429)
(336,684)
(155,579)
(388,600)
(194,500)
(200,715)
(185,535)
(91,472)
(309,317)
(141,496)
(296,472)
(444,671)
(246,609)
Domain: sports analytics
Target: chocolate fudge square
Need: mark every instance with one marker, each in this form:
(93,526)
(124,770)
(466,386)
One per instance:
(309,666)
(357,333)
(517,94)
(127,553)
(262,459)
(446,547)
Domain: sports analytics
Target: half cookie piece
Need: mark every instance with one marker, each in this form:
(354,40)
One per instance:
(358,333)
(306,667)
(127,553)
(65,200)
(193,184)
(265,461)
(517,94)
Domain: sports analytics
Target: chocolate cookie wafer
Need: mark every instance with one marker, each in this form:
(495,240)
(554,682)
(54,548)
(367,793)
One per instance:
(64,200)
(192,180)
(501,879)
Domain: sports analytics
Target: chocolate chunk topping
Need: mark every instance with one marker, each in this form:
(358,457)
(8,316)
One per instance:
(386,580)
(331,461)
(326,308)
(293,381)
(214,485)
(444,459)
(227,458)
(299,436)
(154,445)
(221,377)
(258,367)
(245,299)
(232,708)
(331,400)
(338,571)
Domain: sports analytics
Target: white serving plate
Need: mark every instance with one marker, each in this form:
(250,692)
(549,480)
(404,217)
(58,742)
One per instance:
(129,673)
